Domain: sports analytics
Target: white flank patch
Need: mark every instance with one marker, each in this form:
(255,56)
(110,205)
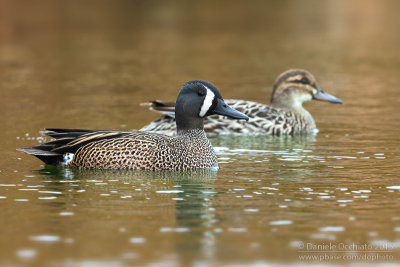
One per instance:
(207,102)
(68,158)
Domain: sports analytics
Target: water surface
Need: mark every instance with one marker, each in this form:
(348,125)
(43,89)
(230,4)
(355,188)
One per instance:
(274,199)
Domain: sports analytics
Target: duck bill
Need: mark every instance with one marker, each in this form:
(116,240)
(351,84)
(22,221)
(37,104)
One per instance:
(323,96)
(223,109)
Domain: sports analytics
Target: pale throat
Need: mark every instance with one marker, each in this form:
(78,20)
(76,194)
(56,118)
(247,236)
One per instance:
(291,100)
(297,101)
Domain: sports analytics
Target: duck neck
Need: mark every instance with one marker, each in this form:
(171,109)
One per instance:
(192,133)
(185,123)
(189,127)
(288,101)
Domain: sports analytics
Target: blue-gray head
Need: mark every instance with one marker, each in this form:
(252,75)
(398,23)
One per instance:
(197,100)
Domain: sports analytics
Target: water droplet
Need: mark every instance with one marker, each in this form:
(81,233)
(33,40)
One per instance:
(332,229)
(137,240)
(26,253)
(45,238)
(281,222)
(66,213)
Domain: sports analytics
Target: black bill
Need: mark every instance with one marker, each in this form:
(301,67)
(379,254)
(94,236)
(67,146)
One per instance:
(223,109)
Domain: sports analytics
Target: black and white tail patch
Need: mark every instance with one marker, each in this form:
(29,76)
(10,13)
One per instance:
(67,158)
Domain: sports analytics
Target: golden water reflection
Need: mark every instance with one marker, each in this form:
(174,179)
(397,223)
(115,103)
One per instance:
(90,64)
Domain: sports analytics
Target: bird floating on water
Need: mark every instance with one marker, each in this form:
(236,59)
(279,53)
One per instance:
(284,116)
(114,149)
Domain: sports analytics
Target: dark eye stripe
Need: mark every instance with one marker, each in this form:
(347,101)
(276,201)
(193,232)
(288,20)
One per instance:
(302,81)
(305,81)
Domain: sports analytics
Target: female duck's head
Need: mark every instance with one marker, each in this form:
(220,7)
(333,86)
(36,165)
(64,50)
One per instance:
(197,100)
(295,86)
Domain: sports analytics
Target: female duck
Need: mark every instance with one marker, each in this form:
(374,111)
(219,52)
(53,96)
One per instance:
(113,149)
(285,115)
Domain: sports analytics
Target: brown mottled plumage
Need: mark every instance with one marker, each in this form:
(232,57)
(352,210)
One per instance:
(113,149)
(137,150)
(285,115)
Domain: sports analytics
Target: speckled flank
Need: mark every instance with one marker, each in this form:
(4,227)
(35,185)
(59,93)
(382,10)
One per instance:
(263,120)
(142,151)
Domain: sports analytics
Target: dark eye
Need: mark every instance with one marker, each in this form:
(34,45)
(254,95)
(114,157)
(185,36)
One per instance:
(305,81)
(201,92)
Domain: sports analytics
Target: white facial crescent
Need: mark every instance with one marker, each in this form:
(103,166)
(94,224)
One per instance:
(207,102)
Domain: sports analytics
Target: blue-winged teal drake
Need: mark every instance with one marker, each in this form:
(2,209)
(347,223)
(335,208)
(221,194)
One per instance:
(285,115)
(113,149)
